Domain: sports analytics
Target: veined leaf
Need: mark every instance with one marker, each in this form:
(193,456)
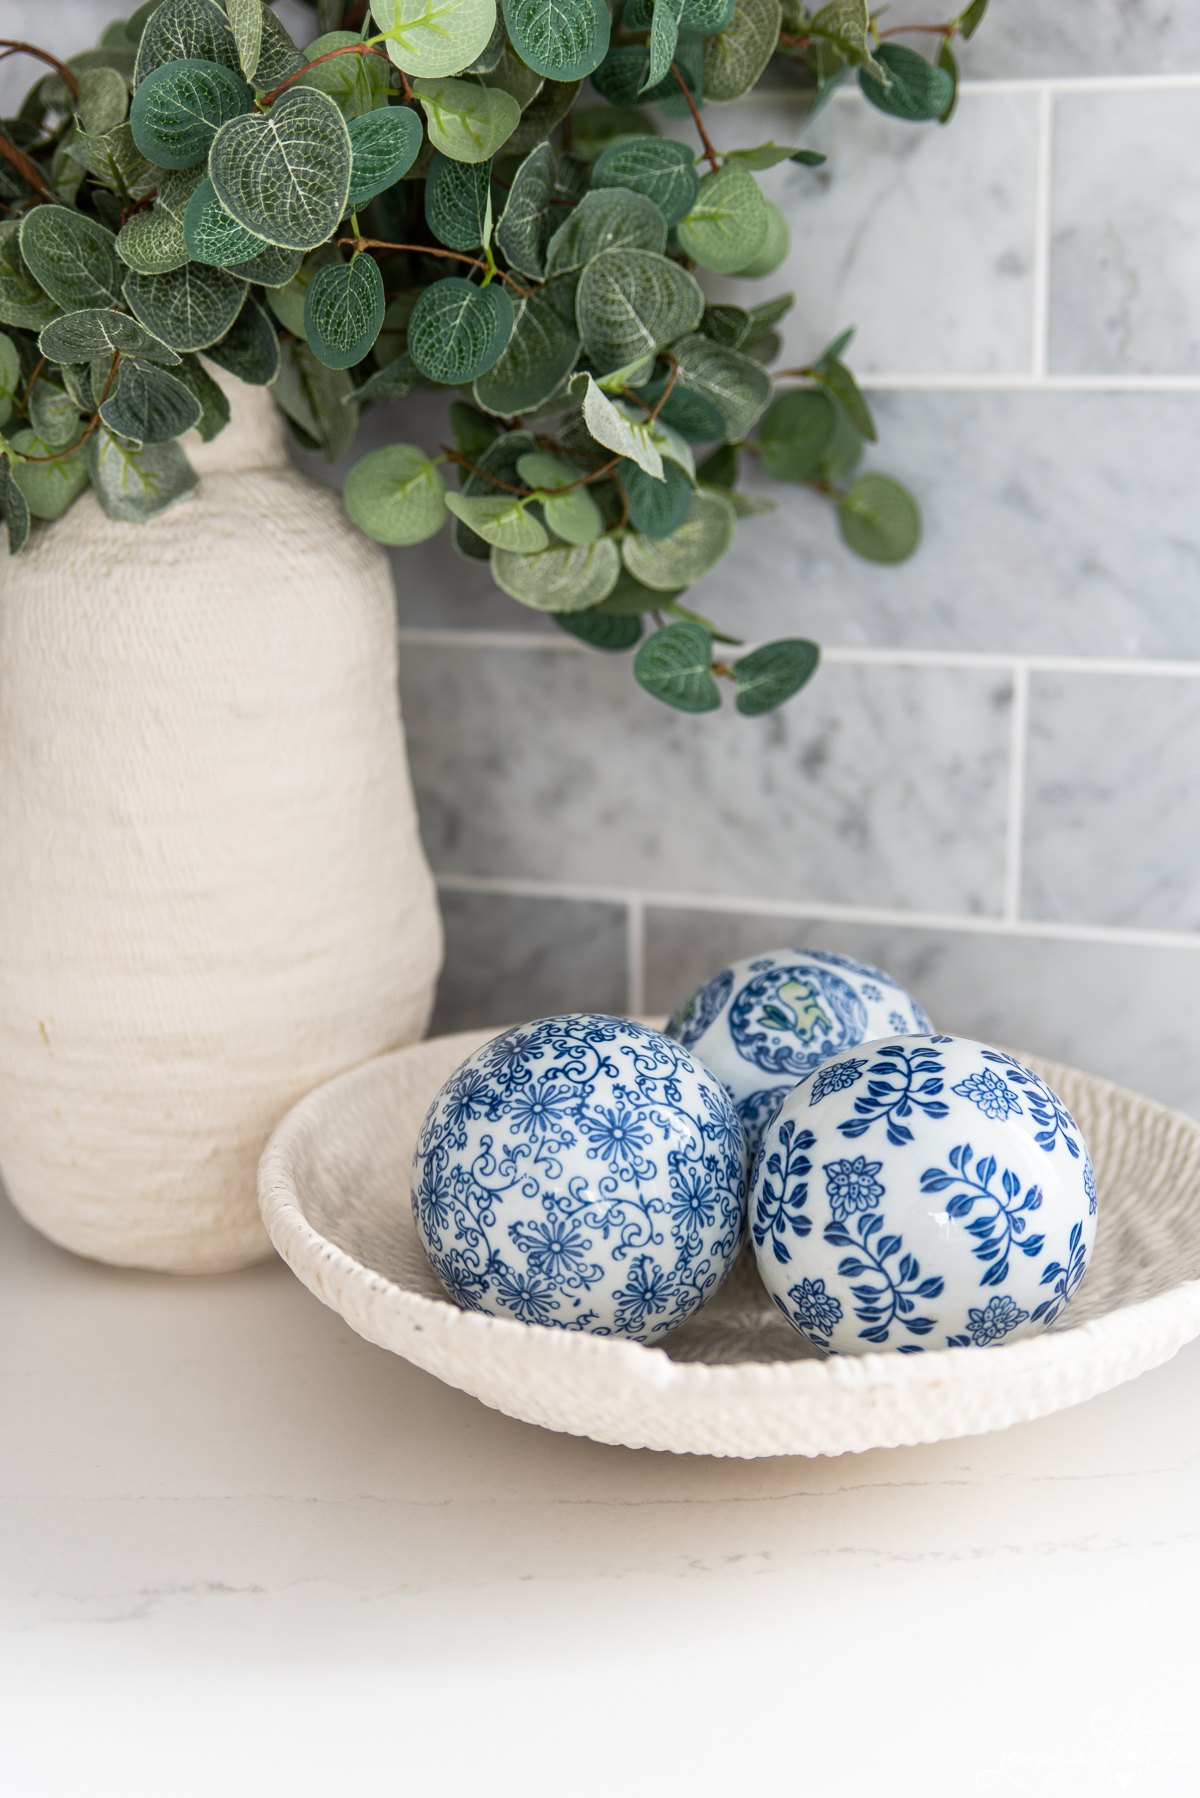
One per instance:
(691,415)
(457,331)
(564,39)
(664,35)
(541,350)
(396,495)
(343,311)
(660,169)
(774,248)
(394,381)
(71,257)
(13,508)
(48,488)
(465,121)
(212,235)
(613,426)
(190,307)
(149,405)
(246,23)
(135,484)
(496,464)
(570,510)
(725,228)
(456,201)
(656,508)
(541,116)
(501,520)
(795,434)
(613,219)
(53,414)
(472,430)
(214,407)
(736,385)
(250,348)
(103,100)
(180,107)
(631,303)
(675,665)
(513,75)
(152,242)
(384,146)
(690,551)
(285,174)
(846,24)
(916,90)
(287,302)
(356,83)
(530,214)
(600,630)
(629,599)
(185,30)
(314,398)
(558,580)
(768,676)
(85,336)
(434,37)
(735,57)
(22,301)
(879,519)
(278,56)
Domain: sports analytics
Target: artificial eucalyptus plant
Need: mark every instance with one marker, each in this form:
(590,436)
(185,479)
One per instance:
(425,196)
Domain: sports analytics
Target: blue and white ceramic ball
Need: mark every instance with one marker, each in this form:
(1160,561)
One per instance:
(769,1020)
(923,1192)
(582,1172)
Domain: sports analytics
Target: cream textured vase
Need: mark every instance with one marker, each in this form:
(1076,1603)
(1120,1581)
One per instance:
(213,895)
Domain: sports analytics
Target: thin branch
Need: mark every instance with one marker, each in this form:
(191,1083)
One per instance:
(70,80)
(33,377)
(61,455)
(946,31)
(27,170)
(460,461)
(665,395)
(694,110)
(346,50)
(425,249)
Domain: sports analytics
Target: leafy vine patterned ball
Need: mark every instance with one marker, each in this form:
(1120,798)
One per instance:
(582,1172)
(766,1022)
(924,1192)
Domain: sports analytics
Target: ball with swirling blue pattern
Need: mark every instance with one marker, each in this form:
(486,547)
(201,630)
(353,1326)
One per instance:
(583,1173)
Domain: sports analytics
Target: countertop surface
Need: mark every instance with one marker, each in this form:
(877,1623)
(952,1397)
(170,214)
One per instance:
(245,1551)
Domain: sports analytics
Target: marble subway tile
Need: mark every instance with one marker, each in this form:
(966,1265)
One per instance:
(873,787)
(921,238)
(1112,825)
(1126,251)
(1130,1014)
(1029,38)
(509,959)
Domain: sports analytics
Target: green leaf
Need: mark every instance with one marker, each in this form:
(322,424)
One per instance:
(250,348)
(918,90)
(846,24)
(768,155)
(384,146)
(356,83)
(613,219)
(285,174)
(472,430)
(185,30)
(571,579)
(152,242)
(394,381)
(768,676)
(465,121)
(13,508)
(497,464)
(84,336)
(213,236)
(272,267)
(879,519)
(970,21)
(530,214)
(313,397)
(629,599)
(456,201)
(457,331)
(570,510)
(675,665)
(492,51)
(22,301)
(735,384)
(564,39)
(502,520)
(720,469)
(103,100)
(726,226)
(148,405)
(434,37)
(214,407)
(796,432)
(656,508)
(48,488)
(769,313)
(844,454)
(513,75)
(287,302)
(736,57)
(595,128)
(774,248)
(190,307)
(946,61)
(540,352)
(693,416)
(179,108)
(664,35)
(669,563)
(115,161)
(752,505)
(246,23)
(618,430)
(541,116)
(53,414)
(599,629)
(343,311)
(631,303)
(835,376)
(660,169)
(707,16)
(71,257)
(135,484)
(278,58)
(727,325)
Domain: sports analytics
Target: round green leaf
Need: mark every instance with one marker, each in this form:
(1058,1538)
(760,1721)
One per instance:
(152,242)
(707,16)
(495,463)
(85,336)
(559,580)
(600,630)
(675,665)
(768,676)
(134,484)
(271,267)
(212,235)
(72,258)
(190,307)
(614,219)
(195,30)
(48,487)
(384,146)
(343,311)
(285,174)
(919,90)
(466,121)
(425,38)
(621,75)
(569,509)
(695,417)
(774,248)
(564,39)
(541,116)
(457,330)
(596,127)
(631,303)
(250,348)
(530,214)
(148,405)
(659,168)
(735,57)
(795,434)
(541,350)
(736,385)
(726,227)
(355,83)
(656,508)
(103,100)
(179,108)
(246,22)
(670,563)
(22,301)
(53,414)
(630,599)
(456,201)
(396,495)
(879,519)
(501,519)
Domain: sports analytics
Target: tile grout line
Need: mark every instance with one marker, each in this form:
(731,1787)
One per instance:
(635,956)
(1014,844)
(1042,228)
(1026,383)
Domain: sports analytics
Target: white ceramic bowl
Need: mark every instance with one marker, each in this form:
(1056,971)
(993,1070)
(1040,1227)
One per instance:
(736,1380)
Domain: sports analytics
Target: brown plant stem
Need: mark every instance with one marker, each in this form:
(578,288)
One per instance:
(424,249)
(93,421)
(695,112)
(345,50)
(14,47)
(33,377)
(27,170)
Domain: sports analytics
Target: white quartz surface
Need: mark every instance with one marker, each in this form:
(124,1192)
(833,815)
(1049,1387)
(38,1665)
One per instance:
(246,1552)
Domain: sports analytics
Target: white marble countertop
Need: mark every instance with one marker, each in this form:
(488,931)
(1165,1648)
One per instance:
(248,1553)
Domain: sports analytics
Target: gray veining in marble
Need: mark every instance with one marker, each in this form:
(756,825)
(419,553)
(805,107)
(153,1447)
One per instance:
(508,959)
(1127,1013)
(872,787)
(1126,253)
(1031,38)
(1112,824)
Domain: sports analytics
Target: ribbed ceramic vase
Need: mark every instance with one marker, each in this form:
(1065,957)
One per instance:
(213,894)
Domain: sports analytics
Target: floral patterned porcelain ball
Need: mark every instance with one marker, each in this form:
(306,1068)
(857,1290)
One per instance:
(583,1172)
(925,1193)
(768,1021)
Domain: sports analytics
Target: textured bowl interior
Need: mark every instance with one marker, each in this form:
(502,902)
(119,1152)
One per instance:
(736,1380)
